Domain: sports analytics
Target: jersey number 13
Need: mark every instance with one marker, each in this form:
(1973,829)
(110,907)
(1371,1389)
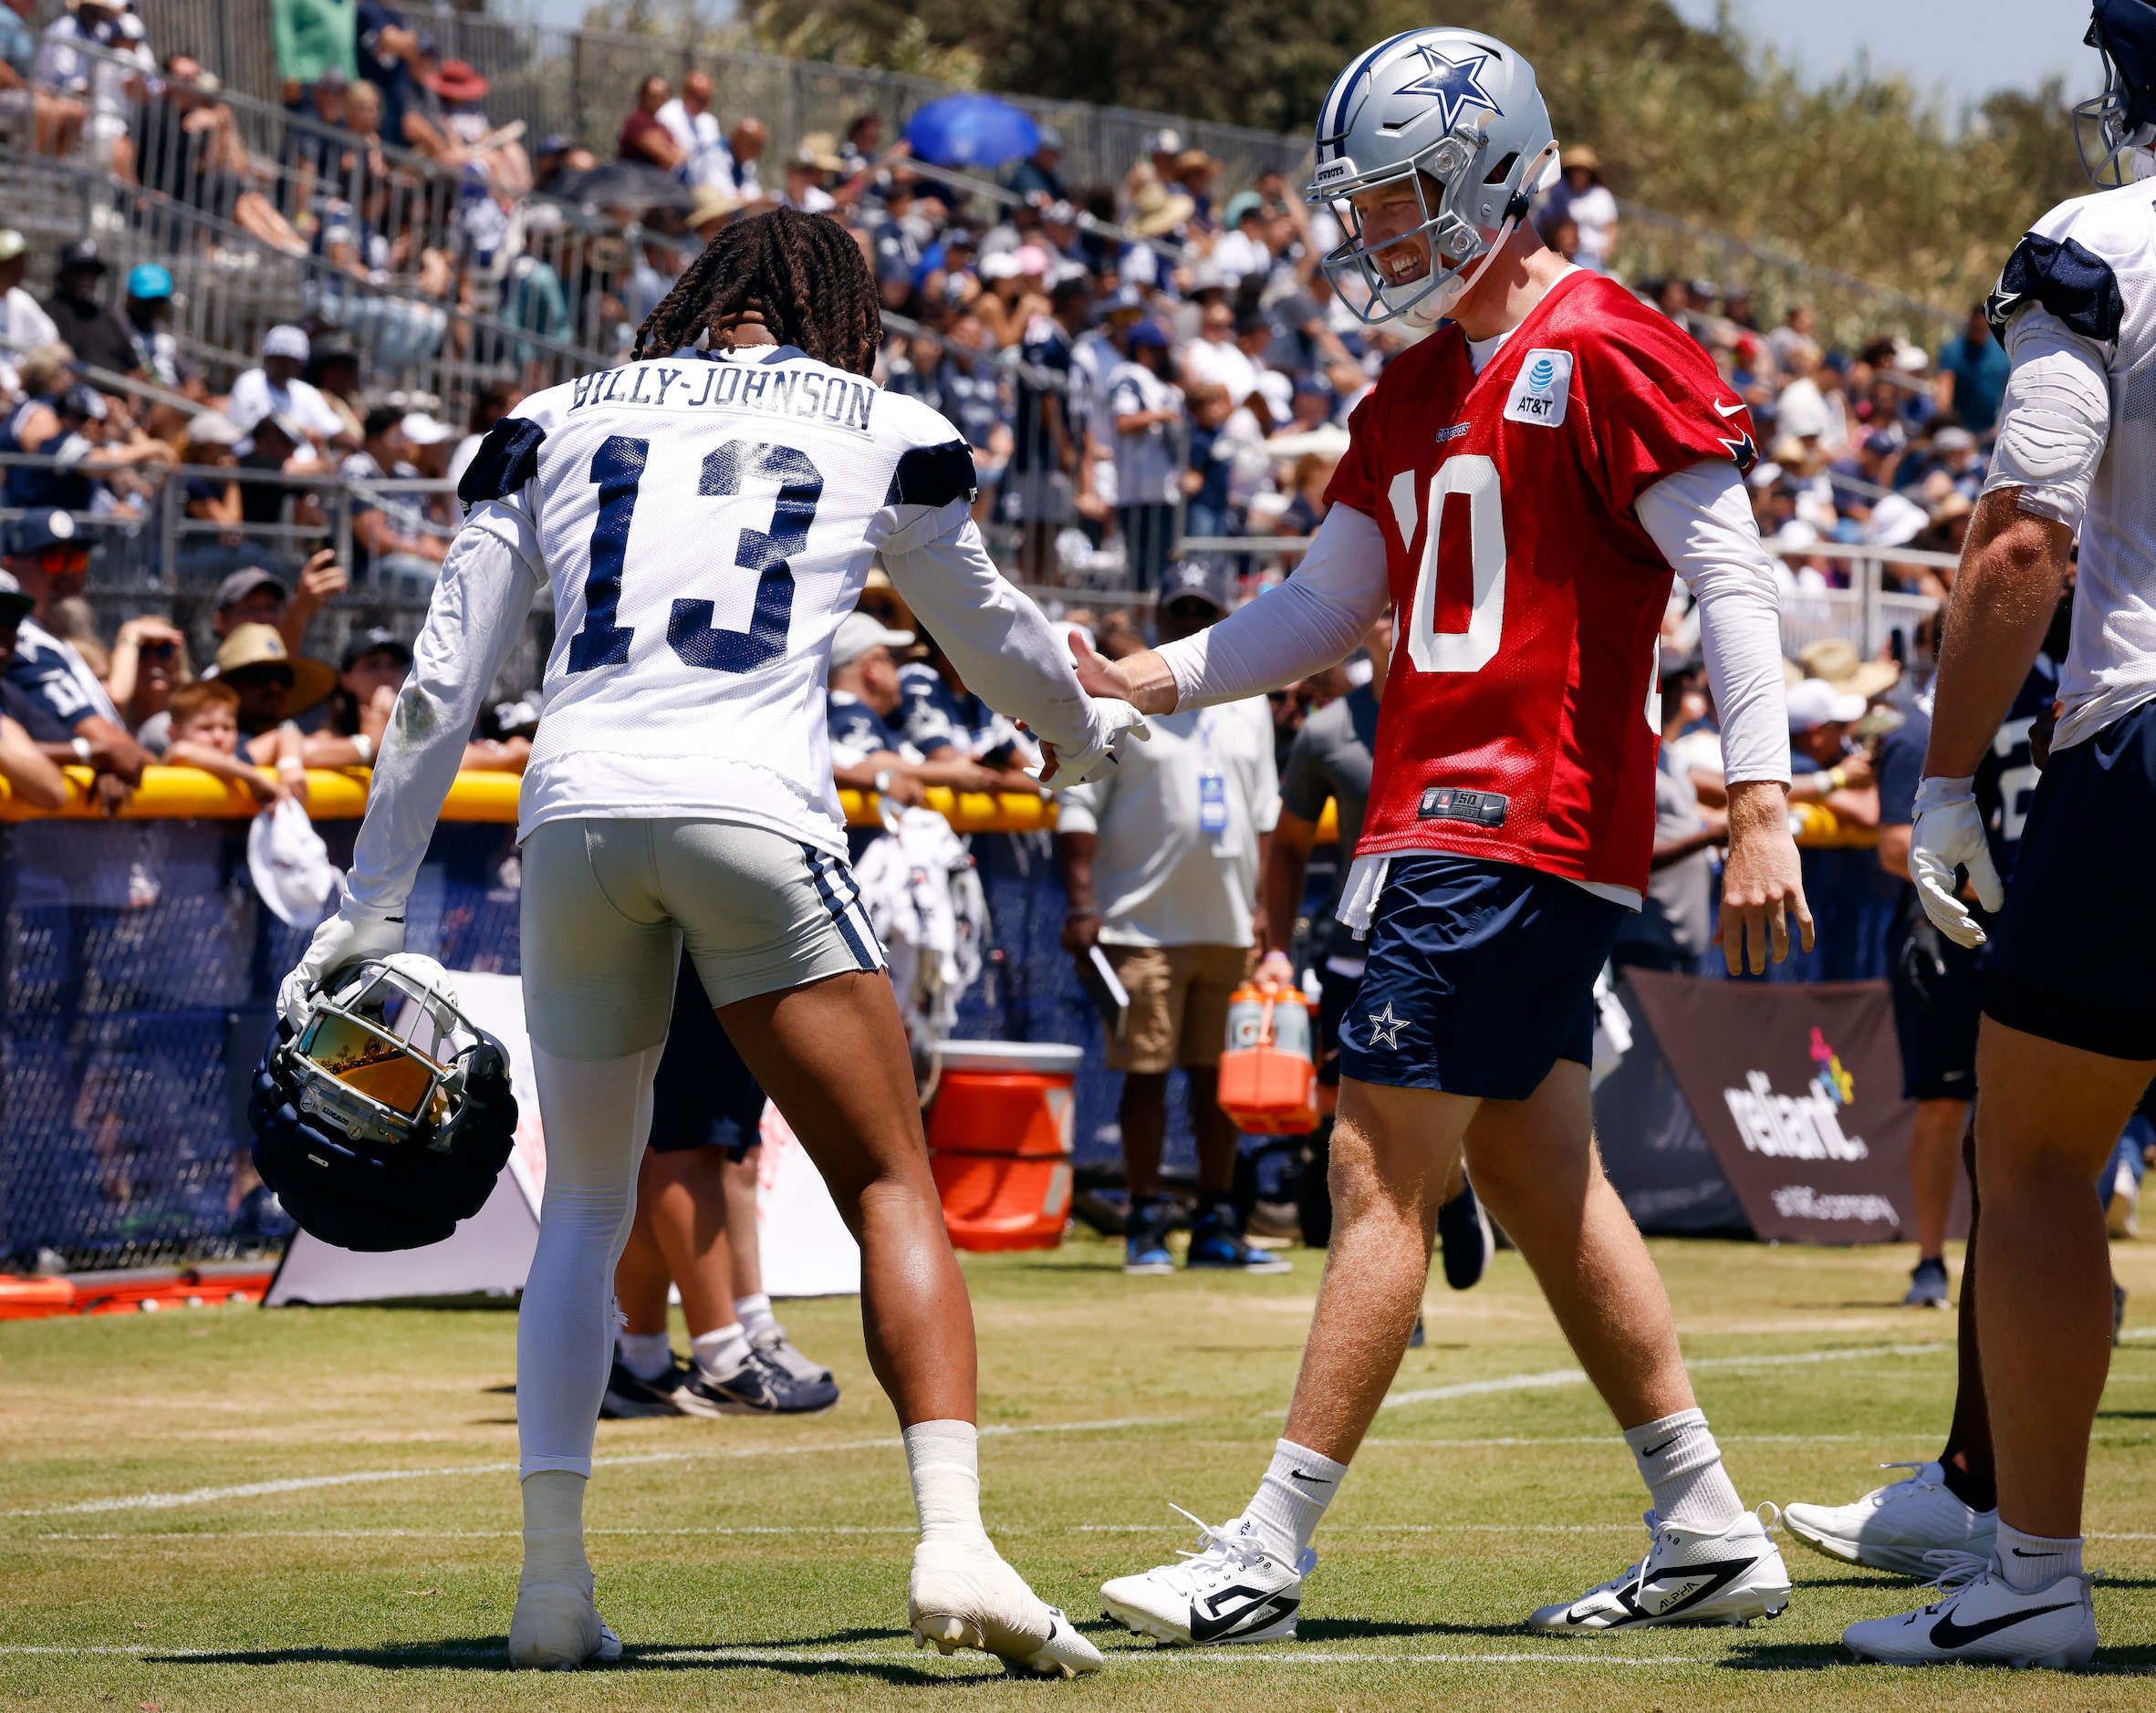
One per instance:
(618,468)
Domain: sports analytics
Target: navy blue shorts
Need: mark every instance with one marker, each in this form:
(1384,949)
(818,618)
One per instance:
(1936,1014)
(1481,977)
(2066,960)
(703,1096)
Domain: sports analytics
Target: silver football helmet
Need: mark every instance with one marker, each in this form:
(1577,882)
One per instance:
(384,1054)
(1457,115)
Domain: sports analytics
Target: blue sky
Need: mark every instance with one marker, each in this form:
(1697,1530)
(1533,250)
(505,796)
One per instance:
(1964,48)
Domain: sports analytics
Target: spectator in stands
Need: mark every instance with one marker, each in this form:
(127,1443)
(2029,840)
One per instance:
(253,596)
(28,773)
(1216,356)
(313,38)
(277,388)
(1242,251)
(24,323)
(470,137)
(868,752)
(1310,475)
(1195,172)
(1160,865)
(1826,767)
(387,51)
(149,662)
(744,147)
(1582,198)
(1212,461)
(49,687)
(694,128)
(275,687)
(644,139)
(1009,303)
(39,119)
(158,355)
(314,151)
(808,170)
(970,388)
(49,420)
(1044,445)
(277,447)
(533,298)
(205,734)
(1971,376)
(1145,408)
(1041,174)
(333,370)
(96,334)
(372,670)
(392,545)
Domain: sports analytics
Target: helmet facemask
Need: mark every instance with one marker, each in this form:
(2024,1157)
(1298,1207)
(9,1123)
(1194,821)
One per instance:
(1457,251)
(2115,132)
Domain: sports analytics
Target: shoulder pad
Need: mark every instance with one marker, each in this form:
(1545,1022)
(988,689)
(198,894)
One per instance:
(933,476)
(507,459)
(2064,276)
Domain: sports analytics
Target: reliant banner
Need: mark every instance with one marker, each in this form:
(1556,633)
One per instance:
(1798,1089)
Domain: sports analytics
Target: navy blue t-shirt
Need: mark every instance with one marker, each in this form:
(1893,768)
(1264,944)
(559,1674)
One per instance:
(2006,779)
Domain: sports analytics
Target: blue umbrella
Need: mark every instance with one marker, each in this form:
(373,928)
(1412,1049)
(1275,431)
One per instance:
(971,130)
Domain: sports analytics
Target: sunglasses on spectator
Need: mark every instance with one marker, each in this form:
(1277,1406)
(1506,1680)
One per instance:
(280,676)
(53,561)
(164,650)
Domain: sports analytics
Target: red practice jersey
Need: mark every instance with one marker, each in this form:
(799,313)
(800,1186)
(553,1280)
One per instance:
(1519,721)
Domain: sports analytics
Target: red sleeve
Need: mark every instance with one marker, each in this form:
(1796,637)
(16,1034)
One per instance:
(1356,482)
(1657,405)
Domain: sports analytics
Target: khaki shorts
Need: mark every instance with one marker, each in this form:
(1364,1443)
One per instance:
(1179,1004)
(608,904)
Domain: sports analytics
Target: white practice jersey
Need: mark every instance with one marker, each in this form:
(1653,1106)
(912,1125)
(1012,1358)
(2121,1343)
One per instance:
(2076,310)
(701,524)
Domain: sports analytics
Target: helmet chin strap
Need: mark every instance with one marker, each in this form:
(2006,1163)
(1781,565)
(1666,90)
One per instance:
(1431,307)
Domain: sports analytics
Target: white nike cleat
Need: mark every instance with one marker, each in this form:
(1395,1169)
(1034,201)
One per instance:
(557,1628)
(1897,1527)
(1687,1577)
(1233,1589)
(1981,1619)
(962,1595)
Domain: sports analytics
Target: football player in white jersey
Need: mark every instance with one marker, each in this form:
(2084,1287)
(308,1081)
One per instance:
(702,519)
(2068,1039)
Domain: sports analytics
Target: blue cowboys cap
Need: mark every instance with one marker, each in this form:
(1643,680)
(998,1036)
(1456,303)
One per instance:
(34,532)
(1199,579)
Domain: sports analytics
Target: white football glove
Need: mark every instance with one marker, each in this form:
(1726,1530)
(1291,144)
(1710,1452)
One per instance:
(1949,835)
(350,936)
(1115,722)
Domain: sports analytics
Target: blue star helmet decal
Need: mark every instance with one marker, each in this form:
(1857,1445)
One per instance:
(1456,84)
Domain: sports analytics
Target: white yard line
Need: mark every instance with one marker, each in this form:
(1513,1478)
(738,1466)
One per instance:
(1578,1377)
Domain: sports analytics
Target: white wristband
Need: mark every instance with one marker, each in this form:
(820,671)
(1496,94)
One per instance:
(290,764)
(365,745)
(81,748)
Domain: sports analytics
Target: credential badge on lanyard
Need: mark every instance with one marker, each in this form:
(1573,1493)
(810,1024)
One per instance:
(1213,786)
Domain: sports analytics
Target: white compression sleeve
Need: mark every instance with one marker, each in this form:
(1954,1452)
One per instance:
(598,1115)
(1310,622)
(2054,419)
(1701,520)
(475,616)
(1009,653)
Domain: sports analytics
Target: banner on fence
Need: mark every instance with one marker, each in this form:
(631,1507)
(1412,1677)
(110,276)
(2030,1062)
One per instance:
(1797,1091)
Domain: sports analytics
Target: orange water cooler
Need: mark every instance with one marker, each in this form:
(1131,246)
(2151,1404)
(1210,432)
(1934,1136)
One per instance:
(999,1141)
(1268,1079)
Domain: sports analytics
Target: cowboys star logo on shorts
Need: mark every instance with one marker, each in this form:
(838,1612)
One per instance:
(1384,1027)
(1456,83)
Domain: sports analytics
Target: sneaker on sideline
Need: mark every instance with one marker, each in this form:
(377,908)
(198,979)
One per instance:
(1145,1237)
(1927,1285)
(1217,1242)
(1465,1240)
(760,1386)
(629,1397)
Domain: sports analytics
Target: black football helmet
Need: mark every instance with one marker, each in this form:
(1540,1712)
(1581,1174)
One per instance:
(386,1118)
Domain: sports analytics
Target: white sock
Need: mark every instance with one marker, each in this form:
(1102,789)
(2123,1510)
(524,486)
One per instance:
(1682,1466)
(944,1460)
(645,1354)
(2035,1560)
(1292,1497)
(720,1351)
(753,1314)
(554,1528)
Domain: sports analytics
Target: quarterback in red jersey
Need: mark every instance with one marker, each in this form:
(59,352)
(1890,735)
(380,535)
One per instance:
(1520,488)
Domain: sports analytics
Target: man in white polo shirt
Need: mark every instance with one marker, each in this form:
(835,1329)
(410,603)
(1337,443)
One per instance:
(276,389)
(1160,860)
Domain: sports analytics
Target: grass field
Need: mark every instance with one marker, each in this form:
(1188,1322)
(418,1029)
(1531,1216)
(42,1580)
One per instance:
(171,1537)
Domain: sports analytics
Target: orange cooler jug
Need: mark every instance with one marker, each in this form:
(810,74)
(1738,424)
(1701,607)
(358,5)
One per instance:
(999,1141)
(1268,1082)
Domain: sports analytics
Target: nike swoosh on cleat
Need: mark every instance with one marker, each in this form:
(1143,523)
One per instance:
(1946,1633)
(1252,1614)
(1728,409)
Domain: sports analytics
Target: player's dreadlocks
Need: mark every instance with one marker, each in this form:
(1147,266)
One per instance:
(802,273)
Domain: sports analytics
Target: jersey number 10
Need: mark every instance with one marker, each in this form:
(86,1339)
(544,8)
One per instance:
(618,467)
(1473,477)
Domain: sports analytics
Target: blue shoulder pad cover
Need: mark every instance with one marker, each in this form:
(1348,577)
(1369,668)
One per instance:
(934,475)
(507,459)
(2065,277)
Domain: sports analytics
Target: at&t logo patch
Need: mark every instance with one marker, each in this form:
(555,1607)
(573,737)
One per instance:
(1542,390)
